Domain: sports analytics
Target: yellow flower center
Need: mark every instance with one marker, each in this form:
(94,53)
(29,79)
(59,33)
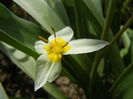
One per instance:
(56,48)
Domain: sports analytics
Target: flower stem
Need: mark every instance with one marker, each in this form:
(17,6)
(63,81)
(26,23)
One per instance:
(98,57)
(101,53)
(108,20)
(127,24)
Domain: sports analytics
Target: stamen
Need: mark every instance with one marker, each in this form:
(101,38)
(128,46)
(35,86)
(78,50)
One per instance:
(65,44)
(43,39)
(54,34)
(53,31)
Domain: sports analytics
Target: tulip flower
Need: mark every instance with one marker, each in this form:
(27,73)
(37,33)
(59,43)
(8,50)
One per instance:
(51,52)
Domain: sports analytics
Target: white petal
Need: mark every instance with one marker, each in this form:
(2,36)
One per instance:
(85,46)
(66,33)
(39,47)
(43,70)
(55,72)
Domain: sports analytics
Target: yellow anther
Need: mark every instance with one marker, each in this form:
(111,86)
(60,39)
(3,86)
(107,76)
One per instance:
(65,44)
(53,31)
(43,39)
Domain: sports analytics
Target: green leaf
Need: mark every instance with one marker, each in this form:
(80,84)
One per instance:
(42,13)
(105,5)
(80,20)
(11,41)
(98,5)
(59,8)
(17,32)
(122,87)
(3,94)
(130,33)
(100,68)
(94,11)
(128,58)
(116,22)
(126,42)
(28,65)
(68,2)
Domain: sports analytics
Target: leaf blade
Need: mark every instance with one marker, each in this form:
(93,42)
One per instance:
(3,94)
(48,18)
(123,84)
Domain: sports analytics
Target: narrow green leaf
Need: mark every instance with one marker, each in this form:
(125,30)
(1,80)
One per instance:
(108,20)
(59,8)
(3,94)
(116,22)
(21,30)
(100,68)
(128,58)
(42,13)
(98,5)
(94,11)
(130,33)
(11,41)
(68,2)
(105,5)
(122,87)
(80,20)
(126,42)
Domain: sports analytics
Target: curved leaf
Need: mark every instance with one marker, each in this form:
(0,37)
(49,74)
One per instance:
(22,30)
(42,13)
(123,86)
(127,42)
(11,41)
(59,8)
(2,93)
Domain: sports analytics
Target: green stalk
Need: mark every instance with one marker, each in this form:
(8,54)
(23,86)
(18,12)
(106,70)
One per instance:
(127,24)
(100,54)
(106,27)
(109,18)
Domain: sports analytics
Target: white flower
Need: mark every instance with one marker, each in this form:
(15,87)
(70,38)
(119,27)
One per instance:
(58,44)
